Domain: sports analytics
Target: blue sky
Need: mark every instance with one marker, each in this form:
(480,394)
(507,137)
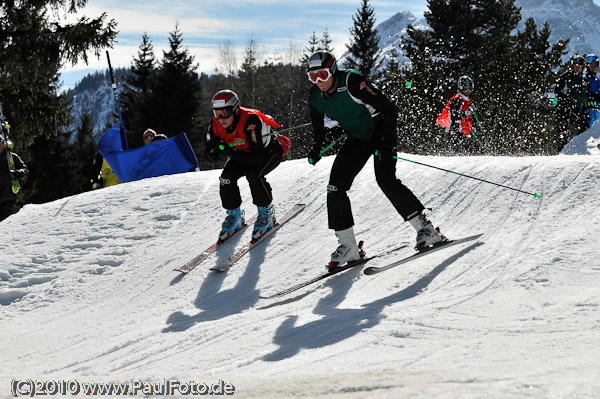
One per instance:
(205,24)
(277,25)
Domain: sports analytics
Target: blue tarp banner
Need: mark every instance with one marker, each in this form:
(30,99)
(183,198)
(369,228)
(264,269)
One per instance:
(165,157)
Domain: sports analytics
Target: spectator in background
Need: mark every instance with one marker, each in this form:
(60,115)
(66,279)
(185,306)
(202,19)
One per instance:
(571,91)
(591,73)
(8,198)
(159,137)
(149,134)
(94,172)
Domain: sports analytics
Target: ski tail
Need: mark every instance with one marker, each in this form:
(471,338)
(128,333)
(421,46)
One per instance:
(189,266)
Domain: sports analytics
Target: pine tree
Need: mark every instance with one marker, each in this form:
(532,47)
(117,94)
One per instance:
(364,46)
(36,44)
(176,93)
(474,38)
(537,60)
(37,41)
(137,91)
(313,46)
(248,74)
(326,41)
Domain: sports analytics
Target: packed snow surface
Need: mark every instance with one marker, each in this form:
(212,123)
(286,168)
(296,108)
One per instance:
(88,292)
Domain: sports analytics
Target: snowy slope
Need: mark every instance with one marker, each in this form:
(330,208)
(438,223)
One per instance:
(87,291)
(585,143)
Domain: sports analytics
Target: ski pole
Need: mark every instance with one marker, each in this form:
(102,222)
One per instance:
(474,135)
(114,87)
(324,150)
(222,147)
(294,127)
(536,195)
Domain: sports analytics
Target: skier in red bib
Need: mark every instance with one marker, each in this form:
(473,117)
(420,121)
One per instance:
(244,136)
(457,119)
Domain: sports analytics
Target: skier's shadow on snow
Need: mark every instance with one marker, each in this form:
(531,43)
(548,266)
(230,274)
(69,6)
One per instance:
(340,324)
(216,304)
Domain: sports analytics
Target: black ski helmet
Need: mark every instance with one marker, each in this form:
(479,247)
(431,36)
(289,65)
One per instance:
(578,60)
(465,83)
(322,59)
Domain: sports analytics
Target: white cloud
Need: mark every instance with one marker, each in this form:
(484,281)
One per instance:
(204,25)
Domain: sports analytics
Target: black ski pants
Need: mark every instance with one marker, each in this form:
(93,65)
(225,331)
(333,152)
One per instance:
(350,160)
(255,174)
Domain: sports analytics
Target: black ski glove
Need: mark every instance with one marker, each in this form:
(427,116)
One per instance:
(314,156)
(385,152)
(21,174)
(213,154)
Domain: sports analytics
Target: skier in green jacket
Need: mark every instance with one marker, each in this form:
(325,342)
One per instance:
(369,119)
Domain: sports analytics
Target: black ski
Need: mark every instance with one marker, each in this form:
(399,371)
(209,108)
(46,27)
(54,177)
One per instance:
(336,271)
(252,243)
(423,252)
(206,253)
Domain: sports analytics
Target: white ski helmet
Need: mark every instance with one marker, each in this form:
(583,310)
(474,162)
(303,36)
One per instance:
(225,99)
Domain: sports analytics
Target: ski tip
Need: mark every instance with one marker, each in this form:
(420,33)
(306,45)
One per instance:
(181,271)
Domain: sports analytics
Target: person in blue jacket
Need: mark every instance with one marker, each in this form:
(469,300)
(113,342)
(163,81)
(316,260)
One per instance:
(591,73)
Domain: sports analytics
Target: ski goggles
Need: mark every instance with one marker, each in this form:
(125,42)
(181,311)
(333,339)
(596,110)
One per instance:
(592,58)
(222,113)
(319,75)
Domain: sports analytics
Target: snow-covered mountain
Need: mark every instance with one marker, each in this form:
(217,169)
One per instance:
(95,94)
(575,19)
(393,29)
(88,292)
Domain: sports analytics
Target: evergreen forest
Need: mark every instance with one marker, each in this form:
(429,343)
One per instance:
(514,73)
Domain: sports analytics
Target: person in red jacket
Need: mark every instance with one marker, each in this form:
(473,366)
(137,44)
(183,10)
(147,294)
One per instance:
(457,118)
(243,135)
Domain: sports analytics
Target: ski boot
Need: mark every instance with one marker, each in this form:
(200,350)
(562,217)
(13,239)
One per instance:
(347,251)
(264,222)
(233,222)
(427,235)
